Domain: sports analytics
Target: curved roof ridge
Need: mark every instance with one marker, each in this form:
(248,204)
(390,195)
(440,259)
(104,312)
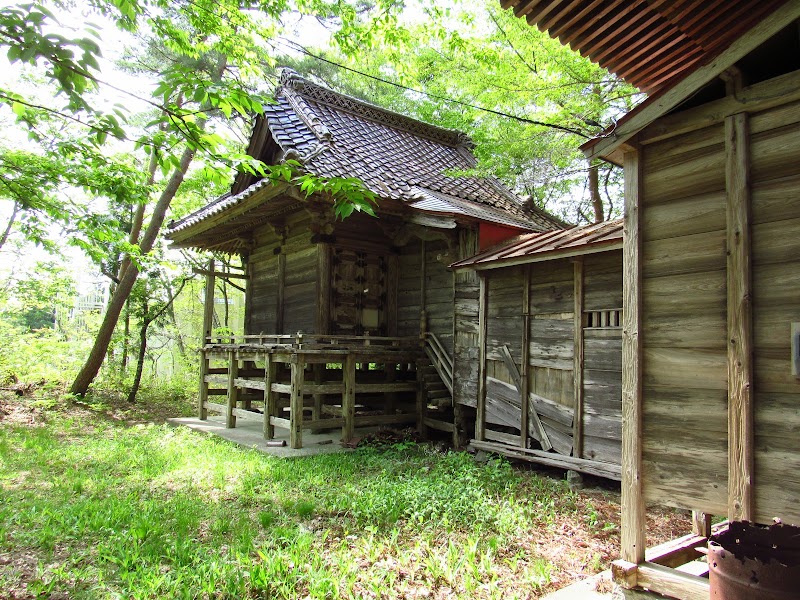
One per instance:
(298,86)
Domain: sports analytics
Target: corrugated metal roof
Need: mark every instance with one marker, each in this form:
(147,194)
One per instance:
(649,44)
(548,245)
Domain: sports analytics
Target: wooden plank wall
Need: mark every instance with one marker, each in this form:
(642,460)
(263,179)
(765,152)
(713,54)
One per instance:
(439,291)
(775,181)
(684,321)
(299,279)
(602,375)
(465,343)
(408,288)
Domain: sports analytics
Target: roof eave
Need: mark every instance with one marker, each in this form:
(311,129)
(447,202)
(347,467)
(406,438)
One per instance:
(541,257)
(610,147)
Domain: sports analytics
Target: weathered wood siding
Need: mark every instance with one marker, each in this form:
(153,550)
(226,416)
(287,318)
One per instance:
(684,321)
(408,288)
(775,181)
(439,292)
(684,314)
(465,343)
(602,360)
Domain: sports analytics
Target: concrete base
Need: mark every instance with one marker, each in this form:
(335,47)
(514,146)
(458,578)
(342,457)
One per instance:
(599,587)
(249,434)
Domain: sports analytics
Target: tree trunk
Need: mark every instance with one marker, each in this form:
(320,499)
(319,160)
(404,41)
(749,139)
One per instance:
(11,220)
(137,378)
(173,320)
(594,192)
(124,362)
(130,272)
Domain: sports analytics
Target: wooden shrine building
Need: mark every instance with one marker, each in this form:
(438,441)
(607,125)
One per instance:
(711,304)
(550,348)
(357,321)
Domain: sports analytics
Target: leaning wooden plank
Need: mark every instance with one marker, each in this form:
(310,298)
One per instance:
(220,408)
(551,410)
(549,458)
(682,550)
(280,422)
(439,425)
(248,415)
(560,437)
(666,581)
(504,438)
(541,434)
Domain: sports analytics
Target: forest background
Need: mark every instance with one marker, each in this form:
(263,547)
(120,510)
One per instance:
(119,115)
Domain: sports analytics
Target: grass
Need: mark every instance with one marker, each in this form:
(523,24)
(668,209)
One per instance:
(97,504)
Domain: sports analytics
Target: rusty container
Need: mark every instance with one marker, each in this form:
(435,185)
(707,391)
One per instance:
(755,562)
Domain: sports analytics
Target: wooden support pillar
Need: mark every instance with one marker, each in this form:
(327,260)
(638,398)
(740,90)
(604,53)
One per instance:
(740,319)
(480,413)
(233,391)
(270,397)
(390,398)
(280,301)
(324,274)
(202,412)
(319,376)
(526,353)
(577,365)
(423,314)
(248,294)
(208,320)
(296,401)
(349,397)
(633,507)
(392,287)
(422,401)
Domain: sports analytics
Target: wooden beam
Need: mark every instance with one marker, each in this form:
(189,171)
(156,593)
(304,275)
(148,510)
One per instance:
(270,397)
(296,402)
(758,97)
(279,320)
(233,391)
(672,583)
(392,286)
(701,524)
(740,320)
(480,413)
(220,274)
(633,507)
(349,397)
(526,353)
(423,314)
(577,364)
(324,275)
(663,103)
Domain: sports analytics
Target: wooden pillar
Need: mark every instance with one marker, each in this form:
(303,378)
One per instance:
(577,365)
(324,274)
(480,413)
(423,314)
(740,319)
(270,397)
(296,401)
(422,401)
(208,323)
(526,352)
(319,376)
(233,391)
(248,294)
(390,398)
(392,286)
(633,507)
(279,320)
(349,397)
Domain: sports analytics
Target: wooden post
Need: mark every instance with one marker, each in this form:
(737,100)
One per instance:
(296,401)
(577,365)
(392,286)
(233,391)
(319,375)
(202,412)
(740,320)
(390,398)
(422,401)
(633,508)
(324,274)
(208,320)
(526,352)
(423,314)
(270,397)
(248,294)
(349,397)
(279,320)
(480,413)
(701,523)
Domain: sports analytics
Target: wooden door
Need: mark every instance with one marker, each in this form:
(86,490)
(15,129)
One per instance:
(358,294)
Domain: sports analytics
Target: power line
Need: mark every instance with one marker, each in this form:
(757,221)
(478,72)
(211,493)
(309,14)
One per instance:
(307,52)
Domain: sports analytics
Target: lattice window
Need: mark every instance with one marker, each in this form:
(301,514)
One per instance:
(603,319)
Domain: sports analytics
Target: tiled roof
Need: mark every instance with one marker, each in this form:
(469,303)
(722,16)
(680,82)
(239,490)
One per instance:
(532,247)
(397,157)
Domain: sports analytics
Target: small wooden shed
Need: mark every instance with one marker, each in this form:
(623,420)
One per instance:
(711,388)
(550,341)
(372,292)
